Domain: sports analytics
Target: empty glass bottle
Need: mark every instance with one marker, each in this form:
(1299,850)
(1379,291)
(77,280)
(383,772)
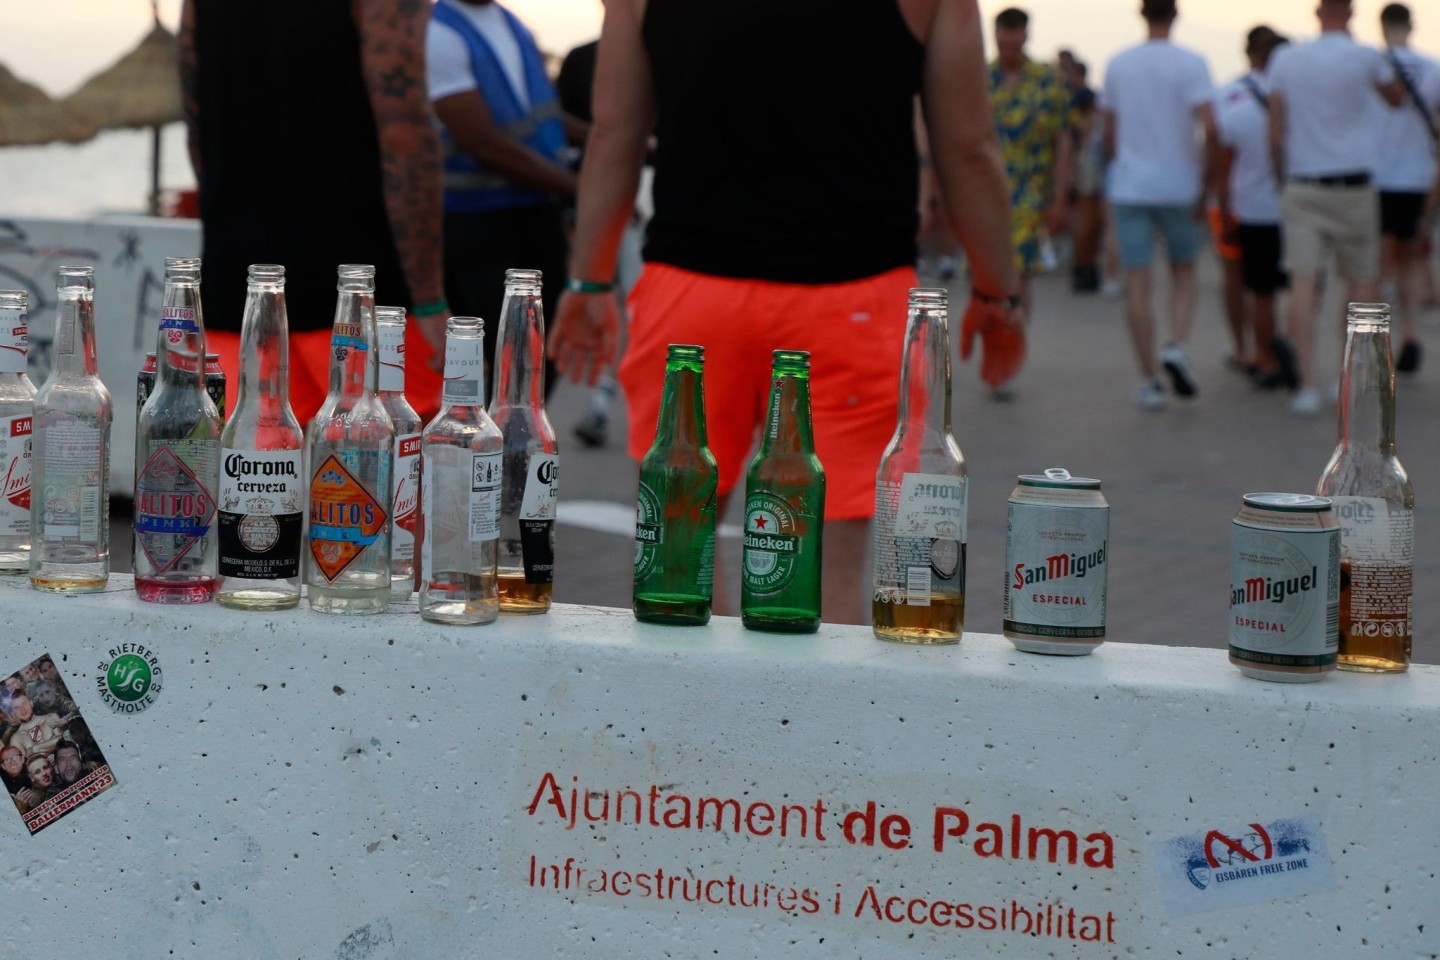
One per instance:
(784,510)
(262,485)
(531,470)
(1373,501)
(676,501)
(406,475)
(17,412)
(920,493)
(70,468)
(349,447)
(461,448)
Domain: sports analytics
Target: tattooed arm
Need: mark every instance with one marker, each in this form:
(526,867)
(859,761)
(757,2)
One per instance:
(189,96)
(392,52)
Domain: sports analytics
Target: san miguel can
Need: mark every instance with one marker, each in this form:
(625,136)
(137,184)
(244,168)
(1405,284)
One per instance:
(1057,542)
(214,382)
(1285,588)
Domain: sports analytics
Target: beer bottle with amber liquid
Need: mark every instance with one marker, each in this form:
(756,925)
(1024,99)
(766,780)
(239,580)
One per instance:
(784,510)
(530,469)
(920,493)
(676,502)
(1373,501)
(405,475)
(17,411)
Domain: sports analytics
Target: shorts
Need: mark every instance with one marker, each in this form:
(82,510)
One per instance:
(855,334)
(1261,245)
(1137,224)
(1319,217)
(1226,251)
(1400,214)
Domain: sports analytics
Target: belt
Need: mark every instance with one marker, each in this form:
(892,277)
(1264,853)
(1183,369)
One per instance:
(1339,180)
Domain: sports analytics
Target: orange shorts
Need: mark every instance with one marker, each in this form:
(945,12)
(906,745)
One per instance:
(310,370)
(854,332)
(1226,251)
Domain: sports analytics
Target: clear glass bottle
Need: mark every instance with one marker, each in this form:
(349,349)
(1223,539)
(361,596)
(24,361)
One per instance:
(349,447)
(405,475)
(462,455)
(262,485)
(920,493)
(1373,501)
(17,413)
(784,510)
(676,502)
(70,468)
(531,471)
(177,455)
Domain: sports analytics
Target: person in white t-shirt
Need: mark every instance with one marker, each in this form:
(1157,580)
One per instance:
(1327,102)
(1407,179)
(1249,197)
(1157,95)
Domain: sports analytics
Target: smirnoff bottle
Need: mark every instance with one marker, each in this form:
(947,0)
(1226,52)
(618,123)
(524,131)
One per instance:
(349,447)
(676,502)
(920,502)
(17,410)
(462,461)
(784,510)
(405,475)
(1373,501)
(529,481)
(262,490)
(70,472)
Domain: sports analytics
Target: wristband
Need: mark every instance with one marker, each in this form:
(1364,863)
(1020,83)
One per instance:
(1009,303)
(576,285)
(430,309)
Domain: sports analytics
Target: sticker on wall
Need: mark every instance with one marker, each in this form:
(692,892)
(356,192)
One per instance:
(130,678)
(1235,865)
(49,762)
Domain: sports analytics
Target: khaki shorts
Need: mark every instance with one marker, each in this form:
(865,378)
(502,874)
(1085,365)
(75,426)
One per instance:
(1319,218)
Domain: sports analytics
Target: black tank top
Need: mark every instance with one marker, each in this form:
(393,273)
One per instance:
(290,160)
(785,138)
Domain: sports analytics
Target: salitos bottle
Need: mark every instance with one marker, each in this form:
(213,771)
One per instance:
(349,446)
(1373,502)
(262,480)
(17,412)
(920,493)
(675,504)
(405,477)
(530,473)
(784,510)
(177,455)
(70,469)
(461,448)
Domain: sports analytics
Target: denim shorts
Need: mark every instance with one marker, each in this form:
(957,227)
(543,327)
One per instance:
(1136,226)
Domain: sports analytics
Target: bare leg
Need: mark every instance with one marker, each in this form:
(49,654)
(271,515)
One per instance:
(1409,287)
(1139,319)
(1300,323)
(1182,301)
(1234,294)
(1262,314)
(844,598)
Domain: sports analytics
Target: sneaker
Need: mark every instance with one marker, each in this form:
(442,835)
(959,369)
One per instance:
(1306,403)
(1150,395)
(1285,357)
(1409,360)
(1178,366)
(594,430)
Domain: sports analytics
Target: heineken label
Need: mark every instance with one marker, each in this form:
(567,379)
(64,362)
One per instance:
(649,531)
(173,506)
(773,544)
(405,498)
(261,514)
(14,341)
(15,462)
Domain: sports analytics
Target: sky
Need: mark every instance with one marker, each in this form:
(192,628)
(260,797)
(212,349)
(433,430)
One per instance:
(57,44)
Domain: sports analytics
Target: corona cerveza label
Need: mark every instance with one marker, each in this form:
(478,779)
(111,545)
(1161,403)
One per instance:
(772,543)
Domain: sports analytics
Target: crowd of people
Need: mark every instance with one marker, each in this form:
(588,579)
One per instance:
(45,745)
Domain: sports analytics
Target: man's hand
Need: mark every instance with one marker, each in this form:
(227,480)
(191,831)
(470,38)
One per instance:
(583,335)
(1002,335)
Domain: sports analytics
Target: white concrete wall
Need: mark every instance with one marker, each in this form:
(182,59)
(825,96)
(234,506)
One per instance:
(332,788)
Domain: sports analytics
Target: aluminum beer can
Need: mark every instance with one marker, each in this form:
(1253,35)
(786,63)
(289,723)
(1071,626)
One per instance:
(1285,587)
(214,382)
(1057,542)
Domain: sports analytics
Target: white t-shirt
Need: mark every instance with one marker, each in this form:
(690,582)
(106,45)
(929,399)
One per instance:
(1333,113)
(1153,90)
(1407,164)
(447,58)
(1244,126)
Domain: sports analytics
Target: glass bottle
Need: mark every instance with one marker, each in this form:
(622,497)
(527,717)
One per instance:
(17,412)
(262,486)
(784,510)
(349,446)
(676,502)
(405,474)
(462,455)
(177,455)
(1373,502)
(530,474)
(920,493)
(70,469)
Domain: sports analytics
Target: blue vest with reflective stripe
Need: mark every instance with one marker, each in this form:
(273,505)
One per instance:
(469,185)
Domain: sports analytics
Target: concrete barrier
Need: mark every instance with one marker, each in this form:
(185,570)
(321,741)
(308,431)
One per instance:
(581,785)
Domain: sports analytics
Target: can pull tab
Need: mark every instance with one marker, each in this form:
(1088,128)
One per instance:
(1057,473)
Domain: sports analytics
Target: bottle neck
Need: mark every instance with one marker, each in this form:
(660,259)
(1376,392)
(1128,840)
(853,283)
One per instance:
(787,427)
(265,348)
(75,333)
(682,409)
(520,350)
(925,372)
(1367,390)
(180,344)
(14,342)
(354,366)
(464,372)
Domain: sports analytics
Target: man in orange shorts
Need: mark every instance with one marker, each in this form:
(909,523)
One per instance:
(777,225)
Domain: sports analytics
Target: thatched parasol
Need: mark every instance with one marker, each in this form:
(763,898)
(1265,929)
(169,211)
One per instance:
(28,116)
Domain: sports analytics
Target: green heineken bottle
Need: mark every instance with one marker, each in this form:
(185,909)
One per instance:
(675,506)
(784,510)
